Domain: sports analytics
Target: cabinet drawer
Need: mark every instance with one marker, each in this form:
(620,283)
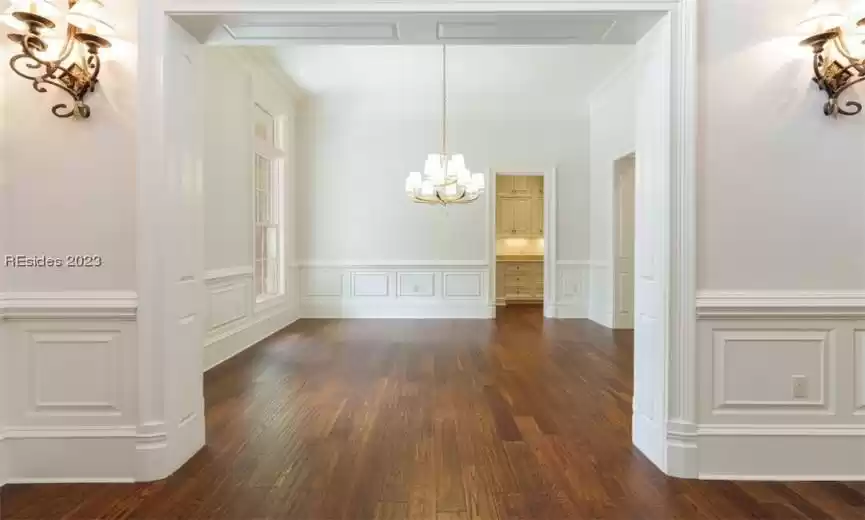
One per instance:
(512,268)
(518,280)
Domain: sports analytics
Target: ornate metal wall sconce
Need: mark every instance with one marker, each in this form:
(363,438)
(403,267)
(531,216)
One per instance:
(836,69)
(75,68)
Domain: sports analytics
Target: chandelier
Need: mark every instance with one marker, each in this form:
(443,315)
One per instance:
(445,179)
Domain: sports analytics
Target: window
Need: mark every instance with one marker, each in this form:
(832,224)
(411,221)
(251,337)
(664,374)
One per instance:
(268,235)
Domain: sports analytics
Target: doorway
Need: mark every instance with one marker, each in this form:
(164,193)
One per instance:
(664,334)
(624,185)
(521,232)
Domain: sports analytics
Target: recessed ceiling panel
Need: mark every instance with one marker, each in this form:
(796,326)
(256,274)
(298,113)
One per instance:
(322,31)
(576,30)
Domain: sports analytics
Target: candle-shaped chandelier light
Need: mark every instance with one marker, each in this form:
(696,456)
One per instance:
(74,69)
(830,30)
(445,179)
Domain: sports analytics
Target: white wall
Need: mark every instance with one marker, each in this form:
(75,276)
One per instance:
(48,162)
(781,233)
(612,114)
(376,114)
(780,185)
(69,335)
(236,80)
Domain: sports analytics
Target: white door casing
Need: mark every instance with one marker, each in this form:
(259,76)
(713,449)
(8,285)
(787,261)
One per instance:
(651,254)
(171,250)
(550,210)
(184,268)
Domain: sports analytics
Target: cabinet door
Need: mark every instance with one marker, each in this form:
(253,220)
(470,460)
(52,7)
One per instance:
(506,214)
(537,217)
(504,185)
(536,186)
(522,211)
(521,185)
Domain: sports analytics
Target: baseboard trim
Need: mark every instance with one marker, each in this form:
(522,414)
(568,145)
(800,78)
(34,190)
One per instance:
(4,462)
(782,452)
(228,344)
(74,457)
(782,478)
(367,310)
(568,311)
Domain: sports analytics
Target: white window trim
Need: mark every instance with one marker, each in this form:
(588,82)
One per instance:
(277,156)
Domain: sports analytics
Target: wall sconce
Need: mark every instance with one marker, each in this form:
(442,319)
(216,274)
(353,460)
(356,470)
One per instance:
(835,67)
(75,68)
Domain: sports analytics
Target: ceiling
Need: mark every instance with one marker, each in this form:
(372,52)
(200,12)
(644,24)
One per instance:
(527,74)
(420,28)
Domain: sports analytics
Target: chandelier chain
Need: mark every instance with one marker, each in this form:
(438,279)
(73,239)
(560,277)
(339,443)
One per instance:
(444,103)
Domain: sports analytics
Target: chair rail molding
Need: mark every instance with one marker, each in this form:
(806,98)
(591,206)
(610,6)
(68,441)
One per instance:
(70,304)
(781,304)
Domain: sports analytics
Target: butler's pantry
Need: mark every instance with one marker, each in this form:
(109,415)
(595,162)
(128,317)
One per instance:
(519,239)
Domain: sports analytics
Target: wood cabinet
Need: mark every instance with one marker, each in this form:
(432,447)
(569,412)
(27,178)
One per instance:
(514,185)
(520,206)
(520,282)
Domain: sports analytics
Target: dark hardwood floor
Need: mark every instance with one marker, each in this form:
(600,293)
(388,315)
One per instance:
(446,420)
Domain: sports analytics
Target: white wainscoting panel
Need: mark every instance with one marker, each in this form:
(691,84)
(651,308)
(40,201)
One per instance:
(236,323)
(859,371)
(572,295)
(600,297)
(408,289)
(754,370)
(71,361)
(463,285)
(229,303)
(780,386)
(412,285)
(370,284)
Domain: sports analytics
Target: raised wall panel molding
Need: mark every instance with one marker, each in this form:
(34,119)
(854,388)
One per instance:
(379,264)
(369,284)
(415,290)
(463,285)
(69,305)
(74,372)
(859,371)
(758,349)
(229,302)
(228,272)
(779,304)
(322,282)
(416,284)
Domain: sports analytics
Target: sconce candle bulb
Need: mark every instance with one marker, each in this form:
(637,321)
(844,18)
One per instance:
(77,77)
(836,69)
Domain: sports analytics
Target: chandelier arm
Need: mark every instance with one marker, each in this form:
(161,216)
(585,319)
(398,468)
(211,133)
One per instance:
(71,31)
(841,46)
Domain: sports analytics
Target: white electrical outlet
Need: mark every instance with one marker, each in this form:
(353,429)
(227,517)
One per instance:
(800,387)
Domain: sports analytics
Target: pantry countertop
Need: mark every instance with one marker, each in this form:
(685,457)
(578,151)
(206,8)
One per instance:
(520,258)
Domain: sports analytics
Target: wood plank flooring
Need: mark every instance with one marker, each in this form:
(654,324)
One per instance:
(517,418)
